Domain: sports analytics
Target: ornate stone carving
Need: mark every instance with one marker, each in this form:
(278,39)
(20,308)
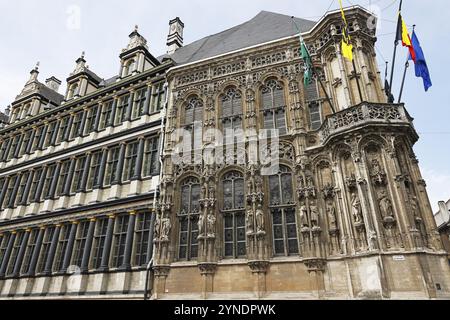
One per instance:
(259,266)
(304,223)
(211,226)
(260,224)
(378,175)
(314,265)
(356,209)
(161,271)
(207,268)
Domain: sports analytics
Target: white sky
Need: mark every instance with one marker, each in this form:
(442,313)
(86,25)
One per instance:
(55,32)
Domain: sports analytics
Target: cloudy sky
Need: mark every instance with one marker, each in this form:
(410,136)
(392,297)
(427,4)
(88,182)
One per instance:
(55,32)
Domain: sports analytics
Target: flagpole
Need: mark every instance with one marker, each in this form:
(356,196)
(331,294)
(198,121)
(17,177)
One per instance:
(395,54)
(314,69)
(357,81)
(404,74)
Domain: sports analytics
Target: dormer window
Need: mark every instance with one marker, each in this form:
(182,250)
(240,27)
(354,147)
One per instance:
(73,91)
(130,67)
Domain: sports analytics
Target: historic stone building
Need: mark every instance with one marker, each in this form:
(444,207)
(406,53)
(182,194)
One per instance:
(346,215)
(94,182)
(78,177)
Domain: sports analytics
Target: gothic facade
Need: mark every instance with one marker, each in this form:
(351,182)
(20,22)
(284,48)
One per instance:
(96,186)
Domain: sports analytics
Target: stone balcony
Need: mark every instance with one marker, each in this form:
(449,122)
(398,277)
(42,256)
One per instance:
(363,115)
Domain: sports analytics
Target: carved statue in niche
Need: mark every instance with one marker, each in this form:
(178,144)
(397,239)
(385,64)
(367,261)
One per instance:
(314,215)
(260,220)
(415,207)
(304,217)
(157,235)
(331,212)
(378,174)
(356,209)
(387,211)
(201,225)
(211,225)
(165,230)
(249,222)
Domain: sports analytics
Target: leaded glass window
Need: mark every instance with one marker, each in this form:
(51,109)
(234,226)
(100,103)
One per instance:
(142,235)
(190,210)
(274,106)
(99,242)
(45,249)
(120,235)
(282,208)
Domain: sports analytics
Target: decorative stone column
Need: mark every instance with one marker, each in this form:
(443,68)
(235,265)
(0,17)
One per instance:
(316,269)
(259,270)
(69,248)
(108,242)
(126,266)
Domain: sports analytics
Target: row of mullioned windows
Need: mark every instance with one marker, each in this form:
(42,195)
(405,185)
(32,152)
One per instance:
(281,208)
(29,252)
(130,106)
(122,163)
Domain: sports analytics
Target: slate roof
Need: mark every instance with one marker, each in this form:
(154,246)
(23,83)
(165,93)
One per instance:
(265,27)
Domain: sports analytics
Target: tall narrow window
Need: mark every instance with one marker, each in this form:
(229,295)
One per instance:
(63,127)
(120,235)
(189,216)
(106,120)
(78,175)
(4,241)
(122,107)
(315,115)
(99,242)
(274,106)
(233,209)
(78,117)
(142,235)
(62,247)
(231,109)
(139,103)
(50,131)
(25,142)
(45,249)
(158,97)
(63,176)
(151,157)
(111,168)
(22,186)
(10,190)
(4,149)
(48,181)
(14,145)
(34,185)
(14,253)
(193,118)
(282,209)
(91,119)
(80,243)
(130,160)
(94,173)
(29,251)
(73,91)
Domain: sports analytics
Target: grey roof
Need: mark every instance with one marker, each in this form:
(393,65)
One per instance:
(265,27)
(3,117)
(50,94)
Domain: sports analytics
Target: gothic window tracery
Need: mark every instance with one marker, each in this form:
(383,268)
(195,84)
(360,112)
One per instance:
(282,209)
(231,109)
(273,105)
(188,217)
(193,121)
(233,209)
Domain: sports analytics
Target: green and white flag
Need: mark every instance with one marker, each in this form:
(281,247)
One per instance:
(308,67)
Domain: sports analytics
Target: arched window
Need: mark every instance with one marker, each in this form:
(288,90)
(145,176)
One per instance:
(193,121)
(231,109)
(130,66)
(189,212)
(73,91)
(274,106)
(282,208)
(233,209)
(315,115)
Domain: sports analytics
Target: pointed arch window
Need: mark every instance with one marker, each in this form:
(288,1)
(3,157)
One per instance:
(274,106)
(188,217)
(193,121)
(231,109)
(282,209)
(233,209)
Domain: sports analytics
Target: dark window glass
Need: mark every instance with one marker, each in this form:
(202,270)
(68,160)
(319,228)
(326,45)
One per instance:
(142,239)
(4,240)
(62,247)
(158,98)
(130,160)
(120,235)
(78,117)
(139,103)
(111,168)
(30,250)
(151,157)
(80,243)
(45,249)
(15,251)
(106,120)
(99,242)
(315,116)
(94,173)
(78,175)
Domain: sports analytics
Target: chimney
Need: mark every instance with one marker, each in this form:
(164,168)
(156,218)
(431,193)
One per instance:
(53,83)
(175,38)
